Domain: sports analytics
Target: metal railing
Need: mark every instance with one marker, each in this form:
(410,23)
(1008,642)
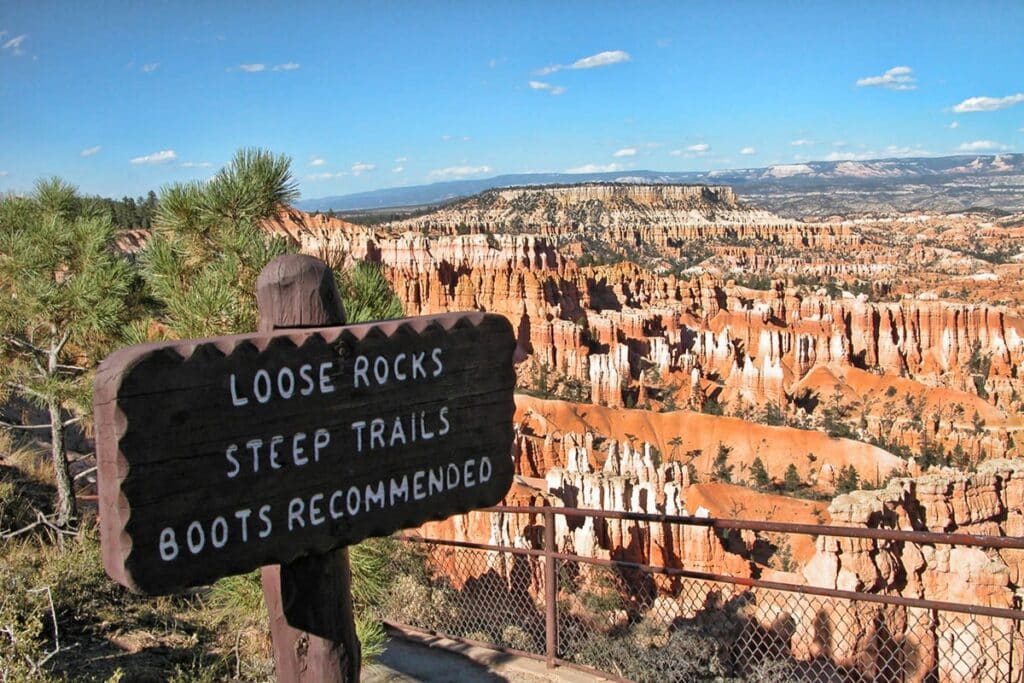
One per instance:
(643,622)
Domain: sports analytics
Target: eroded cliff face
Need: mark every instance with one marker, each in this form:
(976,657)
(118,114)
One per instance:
(809,374)
(592,469)
(626,334)
(607,327)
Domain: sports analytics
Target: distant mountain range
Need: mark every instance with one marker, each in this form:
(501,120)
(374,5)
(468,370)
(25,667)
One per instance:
(814,187)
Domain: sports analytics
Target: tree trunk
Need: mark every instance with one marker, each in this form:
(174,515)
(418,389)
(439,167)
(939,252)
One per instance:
(66,509)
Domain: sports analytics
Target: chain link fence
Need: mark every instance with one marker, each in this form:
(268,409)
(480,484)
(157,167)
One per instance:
(641,623)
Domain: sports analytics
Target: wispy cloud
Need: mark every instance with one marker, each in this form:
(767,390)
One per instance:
(458,171)
(988,103)
(13,46)
(252,68)
(161,157)
(398,169)
(954,125)
(890,151)
(595,168)
(592,62)
(89,151)
(553,89)
(747,151)
(839,143)
(4,174)
(324,176)
(196,164)
(360,167)
(150,68)
(699,149)
(802,142)
(401,160)
(317,162)
(850,156)
(625,152)
(288,66)
(896,78)
(982,146)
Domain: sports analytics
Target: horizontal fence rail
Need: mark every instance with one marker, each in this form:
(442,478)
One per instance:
(644,622)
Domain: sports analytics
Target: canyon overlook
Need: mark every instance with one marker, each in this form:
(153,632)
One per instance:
(684,353)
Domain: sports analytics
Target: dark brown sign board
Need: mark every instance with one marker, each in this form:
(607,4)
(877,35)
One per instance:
(218,456)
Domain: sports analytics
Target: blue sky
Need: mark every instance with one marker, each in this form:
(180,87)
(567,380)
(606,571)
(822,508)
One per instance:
(120,98)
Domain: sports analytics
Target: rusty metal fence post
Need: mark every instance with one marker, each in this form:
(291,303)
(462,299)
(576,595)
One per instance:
(550,590)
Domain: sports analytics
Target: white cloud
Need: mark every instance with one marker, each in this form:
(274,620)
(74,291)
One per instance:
(398,169)
(954,124)
(849,156)
(982,146)
(839,143)
(89,151)
(401,160)
(289,66)
(252,68)
(625,152)
(359,168)
(161,157)
(324,176)
(888,152)
(458,171)
(150,68)
(4,173)
(317,162)
(896,78)
(802,142)
(605,58)
(553,89)
(904,151)
(196,164)
(747,151)
(14,45)
(692,151)
(988,103)
(595,168)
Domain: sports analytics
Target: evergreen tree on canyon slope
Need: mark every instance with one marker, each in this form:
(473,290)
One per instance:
(65,297)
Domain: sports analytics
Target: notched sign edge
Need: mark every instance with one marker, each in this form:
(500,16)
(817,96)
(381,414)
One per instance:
(111,423)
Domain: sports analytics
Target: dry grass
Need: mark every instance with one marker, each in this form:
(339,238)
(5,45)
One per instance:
(98,631)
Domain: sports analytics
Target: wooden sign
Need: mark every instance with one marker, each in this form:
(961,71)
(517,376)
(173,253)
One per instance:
(221,455)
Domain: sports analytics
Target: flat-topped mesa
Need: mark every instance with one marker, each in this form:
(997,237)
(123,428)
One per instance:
(561,210)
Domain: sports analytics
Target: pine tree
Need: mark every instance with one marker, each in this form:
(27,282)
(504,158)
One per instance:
(721,470)
(848,479)
(207,246)
(65,296)
(760,474)
(791,480)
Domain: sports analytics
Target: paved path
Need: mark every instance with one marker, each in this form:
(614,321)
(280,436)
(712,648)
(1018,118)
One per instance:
(428,659)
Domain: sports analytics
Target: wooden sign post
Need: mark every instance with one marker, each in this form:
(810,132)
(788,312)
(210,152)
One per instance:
(218,456)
